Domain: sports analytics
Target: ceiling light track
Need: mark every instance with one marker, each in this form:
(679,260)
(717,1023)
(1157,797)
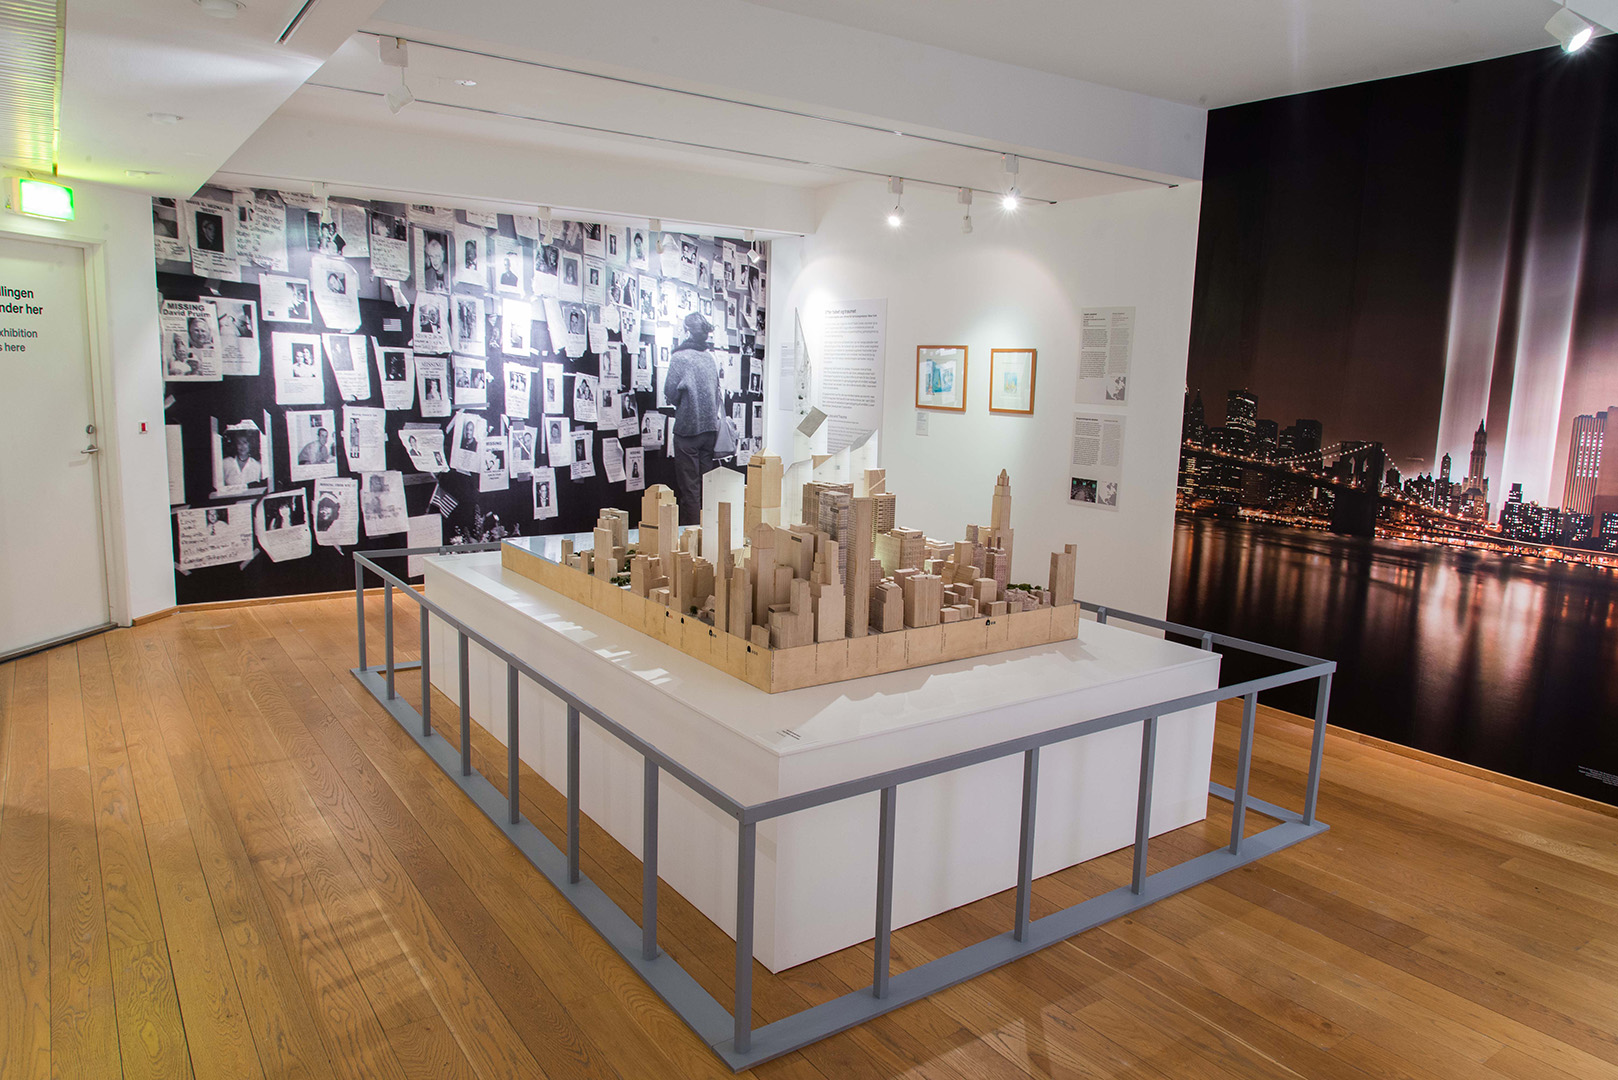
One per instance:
(877,128)
(682,143)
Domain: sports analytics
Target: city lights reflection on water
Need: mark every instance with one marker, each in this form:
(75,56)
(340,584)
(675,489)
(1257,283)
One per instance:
(1508,663)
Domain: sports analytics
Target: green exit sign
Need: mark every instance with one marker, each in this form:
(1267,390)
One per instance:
(37,198)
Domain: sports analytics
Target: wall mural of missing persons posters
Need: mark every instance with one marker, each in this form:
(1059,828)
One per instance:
(1401,382)
(318,356)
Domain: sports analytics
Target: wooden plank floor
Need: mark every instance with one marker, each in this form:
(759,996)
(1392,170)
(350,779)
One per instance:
(220,858)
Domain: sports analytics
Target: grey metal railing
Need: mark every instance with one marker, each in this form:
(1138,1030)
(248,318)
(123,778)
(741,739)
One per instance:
(730,1032)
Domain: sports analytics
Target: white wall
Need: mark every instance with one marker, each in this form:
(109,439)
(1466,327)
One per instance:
(1018,281)
(118,226)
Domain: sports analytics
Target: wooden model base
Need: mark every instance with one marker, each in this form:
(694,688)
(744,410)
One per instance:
(776,670)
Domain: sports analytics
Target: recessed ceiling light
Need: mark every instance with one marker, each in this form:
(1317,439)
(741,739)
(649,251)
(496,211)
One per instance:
(466,82)
(220,9)
(139,172)
(165,118)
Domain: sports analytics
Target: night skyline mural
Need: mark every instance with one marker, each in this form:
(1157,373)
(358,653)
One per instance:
(1404,343)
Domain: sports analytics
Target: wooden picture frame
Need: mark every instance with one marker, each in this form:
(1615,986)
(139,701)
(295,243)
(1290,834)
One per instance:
(1011,381)
(940,384)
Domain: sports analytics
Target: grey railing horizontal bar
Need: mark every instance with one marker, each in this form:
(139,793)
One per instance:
(1271,651)
(789,804)
(858,1006)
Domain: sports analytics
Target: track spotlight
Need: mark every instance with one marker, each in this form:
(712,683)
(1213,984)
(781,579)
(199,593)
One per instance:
(1572,31)
(1010,201)
(398,97)
(964,197)
(896,216)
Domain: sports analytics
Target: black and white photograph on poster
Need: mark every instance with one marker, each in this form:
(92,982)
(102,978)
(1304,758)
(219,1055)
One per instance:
(425,445)
(571,286)
(519,389)
(350,221)
(261,230)
(584,462)
(365,438)
(642,379)
(651,430)
(688,260)
(545,494)
(554,376)
(382,503)
(468,321)
(311,444)
(595,281)
(323,233)
(574,332)
(738,419)
(755,382)
(282,524)
(628,416)
(212,226)
(1106,345)
(397,370)
(635,469)
(471,382)
(168,235)
(471,258)
(516,327)
(612,459)
(638,248)
(390,247)
(432,385)
(425,531)
(615,246)
(704,277)
(283,299)
(507,266)
(441,217)
(606,404)
(190,341)
(237,323)
(432,260)
(558,441)
(758,418)
(466,434)
(521,440)
(584,399)
(494,476)
(547,270)
(431,324)
(594,239)
(240,454)
(345,355)
(625,289)
(298,378)
(1096,464)
(214,535)
(337,512)
(571,236)
(648,300)
(336,287)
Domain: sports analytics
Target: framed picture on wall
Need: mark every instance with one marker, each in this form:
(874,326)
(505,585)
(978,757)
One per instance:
(941,377)
(1011,381)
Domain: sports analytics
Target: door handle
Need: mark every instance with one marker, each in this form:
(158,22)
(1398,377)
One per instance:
(91,449)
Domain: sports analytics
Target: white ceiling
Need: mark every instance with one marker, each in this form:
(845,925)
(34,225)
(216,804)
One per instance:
(1206,52)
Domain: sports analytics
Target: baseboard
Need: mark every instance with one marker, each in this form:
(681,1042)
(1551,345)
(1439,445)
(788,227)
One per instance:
(1528,787)
(155,616)
(295,598)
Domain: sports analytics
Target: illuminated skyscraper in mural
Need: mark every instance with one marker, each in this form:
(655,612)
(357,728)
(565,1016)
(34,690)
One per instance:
(1583,461)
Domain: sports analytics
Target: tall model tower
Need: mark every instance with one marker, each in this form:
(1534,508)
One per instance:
(1000,531)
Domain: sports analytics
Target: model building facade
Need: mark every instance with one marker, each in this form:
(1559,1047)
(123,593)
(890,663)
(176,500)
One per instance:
(843,593)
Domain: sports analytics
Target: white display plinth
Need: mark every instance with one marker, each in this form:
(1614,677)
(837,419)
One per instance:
(816,873)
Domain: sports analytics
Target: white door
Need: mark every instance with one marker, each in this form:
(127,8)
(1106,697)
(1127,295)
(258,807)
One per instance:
(53,577)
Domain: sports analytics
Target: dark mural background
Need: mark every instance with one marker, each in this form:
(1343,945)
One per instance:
(1403,351)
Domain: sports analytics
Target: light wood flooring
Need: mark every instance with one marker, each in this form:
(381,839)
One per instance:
(219,858)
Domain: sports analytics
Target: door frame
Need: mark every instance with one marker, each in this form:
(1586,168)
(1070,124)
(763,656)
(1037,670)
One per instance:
(97,336)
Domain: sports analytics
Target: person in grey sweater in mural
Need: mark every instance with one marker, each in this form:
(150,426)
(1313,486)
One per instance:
(693,390)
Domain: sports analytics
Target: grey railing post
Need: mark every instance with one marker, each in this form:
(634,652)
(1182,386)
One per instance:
(513,766)
(1025,846)
(1207,641)
(359,605)
(648,863)
(426,673)
(1143,803)
(387,631)
(572,795)
(884,891)
(746,850)
(1317,749)
(1101,615)
(1244,768)
(466,705)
